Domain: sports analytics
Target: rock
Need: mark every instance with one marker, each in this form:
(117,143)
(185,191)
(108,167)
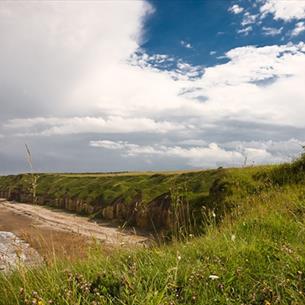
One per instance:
(14,252)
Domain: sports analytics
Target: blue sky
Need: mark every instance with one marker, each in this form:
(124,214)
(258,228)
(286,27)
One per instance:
(208,27)
(151,85)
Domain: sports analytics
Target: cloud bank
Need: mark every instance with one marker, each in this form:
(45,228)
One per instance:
(211,155)
(284,10)
(74,74)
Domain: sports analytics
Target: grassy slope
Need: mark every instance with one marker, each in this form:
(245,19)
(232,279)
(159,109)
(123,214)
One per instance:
(256,255)
(104,189)
(199,188)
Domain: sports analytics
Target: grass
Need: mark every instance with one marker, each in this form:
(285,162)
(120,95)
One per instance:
(104,189)
(254,255)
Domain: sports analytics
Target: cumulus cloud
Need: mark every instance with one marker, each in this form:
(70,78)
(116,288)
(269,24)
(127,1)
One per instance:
(269,31)
(195,156)
(89,39)
(245,31)
(248,19)
(299,28)
(284,10)
(236,9)
(245,74)
(170,67)
(236,89)
(157,61)
(76,125)
(211,155)
(268,151)
(77,62)
(185,44)
(254,86)
(78,70)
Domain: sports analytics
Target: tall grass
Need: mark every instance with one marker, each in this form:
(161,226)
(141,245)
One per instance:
(256,259)
(254,254)
(33,177)
(188,221)
(182,221)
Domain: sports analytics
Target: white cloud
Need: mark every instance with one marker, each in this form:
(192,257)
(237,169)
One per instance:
(248,19)
(77,125)
(143,60)
(185,44)
(152,100)
(238,81)
(196,156)
(286,10)
(211,155)
(245,31)
(69,69)
(268,151)
(186,70)
(300,27)
(236,9)
(109,144)
(77,64)
(269,31)
(169,66)
(57,55)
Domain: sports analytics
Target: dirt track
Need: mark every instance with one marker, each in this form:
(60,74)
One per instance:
(48,229)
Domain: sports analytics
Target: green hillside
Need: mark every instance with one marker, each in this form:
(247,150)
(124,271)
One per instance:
(251,250)
(144,200)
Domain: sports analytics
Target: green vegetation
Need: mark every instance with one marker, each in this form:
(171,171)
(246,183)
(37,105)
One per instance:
(252,251)
(136,199)
(105,189)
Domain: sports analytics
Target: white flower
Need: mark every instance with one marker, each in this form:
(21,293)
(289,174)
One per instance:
(233,237)
(213,277)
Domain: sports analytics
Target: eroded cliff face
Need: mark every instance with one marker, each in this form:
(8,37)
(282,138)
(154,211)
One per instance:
(153,202)
(153,216)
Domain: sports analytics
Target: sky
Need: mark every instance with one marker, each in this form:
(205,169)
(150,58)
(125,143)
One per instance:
(132,85)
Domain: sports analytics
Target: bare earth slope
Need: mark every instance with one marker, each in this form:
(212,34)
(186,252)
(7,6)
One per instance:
(62,221)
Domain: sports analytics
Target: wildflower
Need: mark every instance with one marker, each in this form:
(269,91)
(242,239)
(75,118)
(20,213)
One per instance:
(179,257)
(213,214)
(233,237)
(213,277)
